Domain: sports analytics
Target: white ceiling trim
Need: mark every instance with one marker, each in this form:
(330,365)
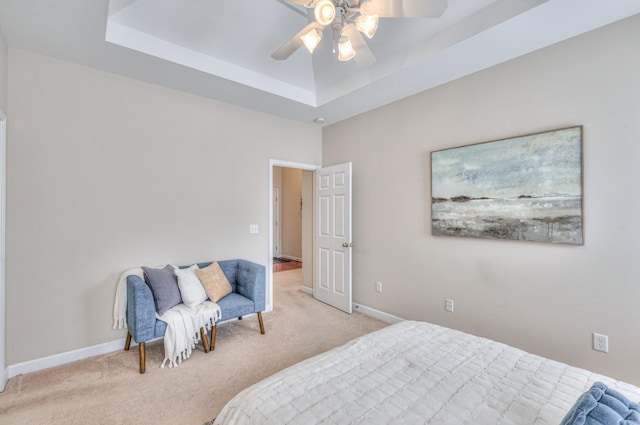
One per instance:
(150,45)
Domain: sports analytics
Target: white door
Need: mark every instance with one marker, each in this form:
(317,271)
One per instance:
(332,241)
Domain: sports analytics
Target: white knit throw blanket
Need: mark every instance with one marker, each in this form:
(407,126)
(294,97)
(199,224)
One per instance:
(183,329)
(183,323)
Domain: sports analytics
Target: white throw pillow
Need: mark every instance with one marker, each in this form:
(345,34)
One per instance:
(191,289)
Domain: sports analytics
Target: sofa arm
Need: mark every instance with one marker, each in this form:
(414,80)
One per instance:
(250,282)
(141,310)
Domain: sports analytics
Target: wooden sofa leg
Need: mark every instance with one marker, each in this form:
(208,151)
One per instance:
(205,342)
(239,317)
(127,343)
(142,358)
(261,323)
(214,330)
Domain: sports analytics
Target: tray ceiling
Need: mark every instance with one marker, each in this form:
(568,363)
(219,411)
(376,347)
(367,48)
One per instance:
(221,49)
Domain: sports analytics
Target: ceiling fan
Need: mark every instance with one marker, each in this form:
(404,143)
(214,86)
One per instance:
(349,20)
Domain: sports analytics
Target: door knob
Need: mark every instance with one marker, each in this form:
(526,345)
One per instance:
(347,244)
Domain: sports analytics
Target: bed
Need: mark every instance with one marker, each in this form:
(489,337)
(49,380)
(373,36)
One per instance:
(417,373)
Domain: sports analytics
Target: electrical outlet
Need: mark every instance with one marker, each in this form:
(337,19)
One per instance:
(448,305)
(600,342)
(253,228)
(378,286)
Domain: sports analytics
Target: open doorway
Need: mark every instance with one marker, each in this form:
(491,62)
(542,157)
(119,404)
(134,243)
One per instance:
(290,223)
(288,214)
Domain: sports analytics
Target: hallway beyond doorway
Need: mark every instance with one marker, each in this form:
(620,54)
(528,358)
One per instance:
(280,265)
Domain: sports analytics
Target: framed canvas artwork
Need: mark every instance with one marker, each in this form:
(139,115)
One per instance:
(523,188)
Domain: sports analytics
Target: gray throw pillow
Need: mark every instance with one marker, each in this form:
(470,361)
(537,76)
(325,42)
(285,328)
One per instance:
(164,287)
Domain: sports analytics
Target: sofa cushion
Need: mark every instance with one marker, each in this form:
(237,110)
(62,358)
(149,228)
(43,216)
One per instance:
(191,288)
(229,268)
(235,305)
(602,406)
(214,281)
(164,287)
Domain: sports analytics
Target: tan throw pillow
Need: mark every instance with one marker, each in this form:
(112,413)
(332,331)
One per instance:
(215,283)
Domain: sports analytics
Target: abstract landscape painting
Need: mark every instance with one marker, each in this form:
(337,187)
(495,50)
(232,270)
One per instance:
(523,188)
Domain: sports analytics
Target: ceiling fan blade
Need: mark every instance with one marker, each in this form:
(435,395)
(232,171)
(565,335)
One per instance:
(294,43)
(364,56)
(404,8)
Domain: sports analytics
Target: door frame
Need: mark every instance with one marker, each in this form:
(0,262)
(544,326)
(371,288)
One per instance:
(275,194)
(269,274)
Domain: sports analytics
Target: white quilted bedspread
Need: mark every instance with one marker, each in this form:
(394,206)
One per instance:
(417,373)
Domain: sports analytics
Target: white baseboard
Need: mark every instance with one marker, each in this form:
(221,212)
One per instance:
(380,315)
(306,290)
(64,358)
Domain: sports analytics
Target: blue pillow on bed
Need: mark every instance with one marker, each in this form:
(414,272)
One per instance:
(602,406)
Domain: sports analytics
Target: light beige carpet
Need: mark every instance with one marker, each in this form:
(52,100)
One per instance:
(109,389)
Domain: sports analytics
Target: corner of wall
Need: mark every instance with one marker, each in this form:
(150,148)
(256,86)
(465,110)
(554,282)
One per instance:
(3,191)
(4,65)
(4,378)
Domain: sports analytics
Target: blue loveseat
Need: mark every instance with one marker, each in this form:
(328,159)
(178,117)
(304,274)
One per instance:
(247,281)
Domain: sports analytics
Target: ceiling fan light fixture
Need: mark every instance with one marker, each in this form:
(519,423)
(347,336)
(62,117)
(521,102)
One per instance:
(367,24)
(325,12)
(345,49)
(312,39)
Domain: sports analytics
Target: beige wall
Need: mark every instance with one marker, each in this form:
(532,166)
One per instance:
(107,173)
(277,177)
(544,298)
(277,184)
(291,214)
(307,228)
(3,74)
